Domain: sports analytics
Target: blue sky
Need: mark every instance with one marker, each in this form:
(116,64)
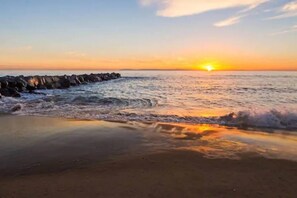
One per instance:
(148,34)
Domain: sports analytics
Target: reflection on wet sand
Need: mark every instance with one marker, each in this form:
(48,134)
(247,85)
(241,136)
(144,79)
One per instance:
(225,142)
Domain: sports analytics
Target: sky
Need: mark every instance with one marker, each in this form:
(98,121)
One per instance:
(148,34)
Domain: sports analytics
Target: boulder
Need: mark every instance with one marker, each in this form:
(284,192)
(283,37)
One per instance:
(64,83)
(74,81)
(3,83)
(41,82)
(32,83)
(49,82)
(94,78)
(21,84)
(11,86)
(10,92)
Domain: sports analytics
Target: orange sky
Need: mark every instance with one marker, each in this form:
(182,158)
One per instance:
(148,34)
(225,61)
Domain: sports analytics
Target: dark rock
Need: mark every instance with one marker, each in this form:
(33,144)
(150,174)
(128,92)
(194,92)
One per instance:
(4,83)
(41,82)
(65,83)
(21,84)
(74,81)
(94,78)
(10,92)
(10,86)
(32,83)
(81,79)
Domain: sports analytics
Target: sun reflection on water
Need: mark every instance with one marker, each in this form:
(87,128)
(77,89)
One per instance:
(215,141)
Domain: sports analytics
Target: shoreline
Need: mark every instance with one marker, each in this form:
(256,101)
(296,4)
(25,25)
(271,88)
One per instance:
(57,157)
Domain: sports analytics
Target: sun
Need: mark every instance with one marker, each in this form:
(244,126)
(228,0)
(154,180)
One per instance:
(209,68)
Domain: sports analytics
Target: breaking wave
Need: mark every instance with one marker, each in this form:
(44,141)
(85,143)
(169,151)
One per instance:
(269,119)
(113,109)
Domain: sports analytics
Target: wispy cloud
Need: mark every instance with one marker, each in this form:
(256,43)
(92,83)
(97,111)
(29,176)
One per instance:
(177,8)
(288,30)
(230,21)
(288,10)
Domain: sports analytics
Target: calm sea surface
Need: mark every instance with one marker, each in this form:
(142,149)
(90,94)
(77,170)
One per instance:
(262,99)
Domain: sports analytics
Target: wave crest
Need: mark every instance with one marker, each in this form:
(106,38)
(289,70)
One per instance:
(269,119)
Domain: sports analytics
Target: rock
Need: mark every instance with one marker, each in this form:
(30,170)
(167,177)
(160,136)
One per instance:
(4,83)
(21,84)
(41,82)
(94,78)
(74,81)
(11,82)
(32,83)
(48,82)
(10,86)
(86,78)
(81,79)
(64,82)
(10,92)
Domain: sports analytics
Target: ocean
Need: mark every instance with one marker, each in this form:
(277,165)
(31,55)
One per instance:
(246,99)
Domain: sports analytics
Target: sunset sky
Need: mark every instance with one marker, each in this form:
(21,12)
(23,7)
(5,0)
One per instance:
(148,34)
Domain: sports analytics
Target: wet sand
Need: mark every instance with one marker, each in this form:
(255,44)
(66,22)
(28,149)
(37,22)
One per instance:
(48,157)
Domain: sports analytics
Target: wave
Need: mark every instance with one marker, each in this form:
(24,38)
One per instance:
(115,102)
(96,107)
(245,119)
(269,119)
(73,104)
(272,119)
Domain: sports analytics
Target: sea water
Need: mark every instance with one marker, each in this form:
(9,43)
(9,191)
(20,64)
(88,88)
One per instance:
(257,99)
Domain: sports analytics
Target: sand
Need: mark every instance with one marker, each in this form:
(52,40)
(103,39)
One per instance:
(170,174)
(148,173)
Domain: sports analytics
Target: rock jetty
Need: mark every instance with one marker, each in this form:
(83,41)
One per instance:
(12,86)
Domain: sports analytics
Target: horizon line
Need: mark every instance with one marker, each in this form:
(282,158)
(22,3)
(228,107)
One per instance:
(22,69)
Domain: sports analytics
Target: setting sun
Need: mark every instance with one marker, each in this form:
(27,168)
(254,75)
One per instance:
(209,68)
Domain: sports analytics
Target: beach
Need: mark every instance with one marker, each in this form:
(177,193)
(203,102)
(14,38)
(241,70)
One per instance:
(55,157)
(148,99)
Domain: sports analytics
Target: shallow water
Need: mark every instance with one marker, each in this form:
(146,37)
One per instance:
(258,99)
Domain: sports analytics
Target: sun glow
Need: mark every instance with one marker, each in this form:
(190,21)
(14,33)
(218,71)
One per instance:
(209,68)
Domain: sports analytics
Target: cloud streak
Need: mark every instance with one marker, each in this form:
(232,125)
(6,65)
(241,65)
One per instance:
(289,30)
(178,8)
(229,21)
(288,10)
